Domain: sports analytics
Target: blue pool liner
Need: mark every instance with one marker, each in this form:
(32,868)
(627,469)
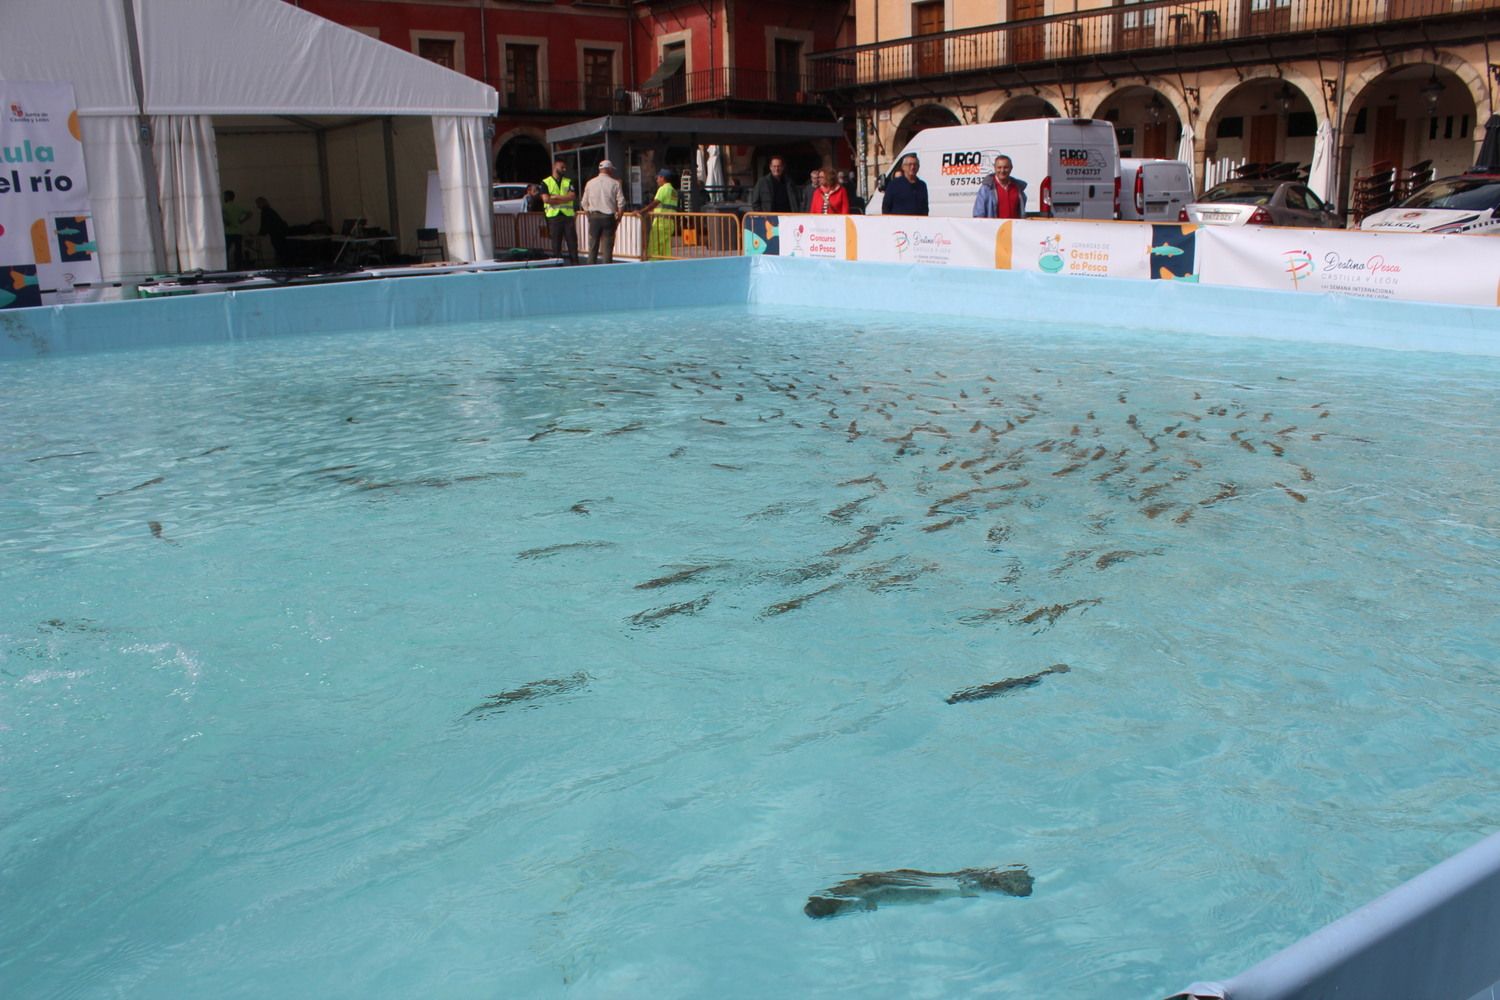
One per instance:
(1009,296)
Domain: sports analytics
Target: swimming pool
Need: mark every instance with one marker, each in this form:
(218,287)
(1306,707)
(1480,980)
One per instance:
(574,655)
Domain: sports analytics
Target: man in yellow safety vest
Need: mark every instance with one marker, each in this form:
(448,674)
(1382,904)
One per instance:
(558,201)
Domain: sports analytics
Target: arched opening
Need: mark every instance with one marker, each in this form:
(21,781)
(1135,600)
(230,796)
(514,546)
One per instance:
(1416,119)
(521,159)
(925,117)
(1146,124)
(1262,128)
(1020,108)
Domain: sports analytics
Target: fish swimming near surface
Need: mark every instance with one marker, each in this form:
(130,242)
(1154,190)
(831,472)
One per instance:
(70,454)
(547,551)
(529,692)
(653,617)
(680,576)
(137,486)
(1111,558)
(984,691)
(782,607)
(846,511)
(1050,613)
(908,885)
(1292,493)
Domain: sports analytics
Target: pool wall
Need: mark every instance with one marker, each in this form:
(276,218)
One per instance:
(367,305)
(1433,936)
(1008,296)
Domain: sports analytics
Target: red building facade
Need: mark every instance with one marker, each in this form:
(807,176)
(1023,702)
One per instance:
(560,61)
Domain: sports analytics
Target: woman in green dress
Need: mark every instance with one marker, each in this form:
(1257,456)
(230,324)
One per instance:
(661,209)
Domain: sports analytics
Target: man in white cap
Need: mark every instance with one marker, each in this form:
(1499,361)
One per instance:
(603,202)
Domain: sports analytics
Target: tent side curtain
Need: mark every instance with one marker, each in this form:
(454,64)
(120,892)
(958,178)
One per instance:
(187,168)
(117,192)
(462,154)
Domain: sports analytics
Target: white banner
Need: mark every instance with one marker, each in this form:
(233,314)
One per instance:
(1086,249)
(904,239)
(46,227)
(1422,267)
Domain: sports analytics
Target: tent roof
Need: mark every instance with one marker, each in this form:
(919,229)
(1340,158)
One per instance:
(226,57)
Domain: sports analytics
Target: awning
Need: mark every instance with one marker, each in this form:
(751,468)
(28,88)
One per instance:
(668,69)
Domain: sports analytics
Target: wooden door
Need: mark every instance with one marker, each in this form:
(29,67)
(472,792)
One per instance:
(1403,9)
(1137,27)
(1027,44)
(521,80)
(789,70)
(1262,145)
(1154,141)
(598,78)
(1264,17)
(1390,137)
(927,19)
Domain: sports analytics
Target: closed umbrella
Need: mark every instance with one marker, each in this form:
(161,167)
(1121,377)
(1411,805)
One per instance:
(1322,177)
(1185,147)
(1489,150)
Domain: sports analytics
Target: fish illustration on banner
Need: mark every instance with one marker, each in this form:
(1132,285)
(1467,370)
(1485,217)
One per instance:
(18,287)
(762,235)
(1173,249)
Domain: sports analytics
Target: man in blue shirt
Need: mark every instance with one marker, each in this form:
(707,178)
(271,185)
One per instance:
(904,194)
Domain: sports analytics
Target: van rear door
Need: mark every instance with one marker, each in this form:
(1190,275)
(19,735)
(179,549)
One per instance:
(1082,168)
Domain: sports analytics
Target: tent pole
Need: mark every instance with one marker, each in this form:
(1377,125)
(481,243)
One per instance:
(393,208)
(143,136)
(323,187)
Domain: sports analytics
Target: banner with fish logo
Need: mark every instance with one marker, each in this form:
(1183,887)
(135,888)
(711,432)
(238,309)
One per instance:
(1422,267)
(828,237)
(1083,249)
(47,239)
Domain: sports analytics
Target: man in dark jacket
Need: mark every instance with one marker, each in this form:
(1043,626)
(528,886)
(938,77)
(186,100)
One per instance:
(904,193)
(775,192)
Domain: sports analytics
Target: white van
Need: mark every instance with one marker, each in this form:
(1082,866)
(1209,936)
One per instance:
(1154,190)
(1071,166)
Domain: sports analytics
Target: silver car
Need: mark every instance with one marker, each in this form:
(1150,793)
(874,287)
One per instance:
(508,198)
(1260,203)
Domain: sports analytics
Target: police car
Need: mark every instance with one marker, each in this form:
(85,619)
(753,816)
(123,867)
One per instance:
(1463,204)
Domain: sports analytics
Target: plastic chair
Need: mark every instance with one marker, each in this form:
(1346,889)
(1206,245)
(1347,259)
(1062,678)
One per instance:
(430,245)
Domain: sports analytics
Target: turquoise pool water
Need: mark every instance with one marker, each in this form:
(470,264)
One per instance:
(327,668)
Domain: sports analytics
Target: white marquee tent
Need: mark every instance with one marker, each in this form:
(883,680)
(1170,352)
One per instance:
(262,67)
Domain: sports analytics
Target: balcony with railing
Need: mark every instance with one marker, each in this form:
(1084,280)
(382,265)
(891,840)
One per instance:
(685,89)
(1112,31)
(557,96)
(729,83)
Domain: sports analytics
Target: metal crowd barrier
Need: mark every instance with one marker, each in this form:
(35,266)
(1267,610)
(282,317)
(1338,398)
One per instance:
(666,236)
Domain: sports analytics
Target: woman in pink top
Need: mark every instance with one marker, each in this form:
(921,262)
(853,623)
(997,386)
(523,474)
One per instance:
(830,197)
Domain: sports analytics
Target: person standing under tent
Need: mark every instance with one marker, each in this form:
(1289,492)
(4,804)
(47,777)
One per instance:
(660,209)
(603,202)
(234,235)
(559,207)
(274,228)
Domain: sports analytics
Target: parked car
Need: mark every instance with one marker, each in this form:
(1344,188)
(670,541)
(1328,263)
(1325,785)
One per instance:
(1260,203)
(508,199)
(1464,204)
(1154,190)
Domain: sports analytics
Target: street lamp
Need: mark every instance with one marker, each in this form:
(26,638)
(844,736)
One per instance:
(1432,92)
(1155,109)
(1284,98)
